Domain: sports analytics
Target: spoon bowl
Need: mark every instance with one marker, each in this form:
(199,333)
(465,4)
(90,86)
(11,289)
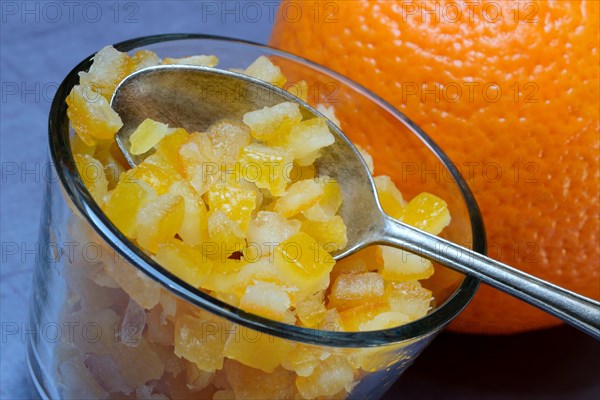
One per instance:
(194,97)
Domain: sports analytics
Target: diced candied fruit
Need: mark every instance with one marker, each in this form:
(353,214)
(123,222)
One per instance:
(311,310)
(268,300)
(110,67)
(353,264)
(333,375)
(201,60)
(303,264)
(228,138)
(143,59)
(256,349)
(385,320)
(298,197)
(151,174)
(408,298)
(262,68)
(147,135)
(353,318)
(263,270)
(329,205)
(196,378)
(331,233)
(123,205)
(390,197)
(184,261)
(235,202)
(159,220)
(306,139)
(299,89)
(367,157)
(92,174)
(303,359)
(80,148)
(168,148)
(201,340)
(113,162)
(270,122)
(400,265)
(266,231)
(224,276)
(426,212)
(252,383)
(91,116)
(351,290)
(194,228)
(267,167)
(225,234)
(199,162)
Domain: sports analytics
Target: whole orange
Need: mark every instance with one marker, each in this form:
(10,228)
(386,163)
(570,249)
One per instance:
(510,91)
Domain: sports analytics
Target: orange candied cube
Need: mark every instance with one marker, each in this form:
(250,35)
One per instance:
(330,377)
(262,68)
(256,349)
(402,266)
(263,270)
(199,163)
(228,138)
(271,122)
(168,148)
(147,135)
(92,174)
(225,234)
(194,228)
(252,383)
(298,197)
(305,139)
(268,300)
(303,264)
(151,174)
(184,261)
(201,340)
(390,198)
(267,167)
(124,203)
(354,318)
(426,212)
(311,310)
(235,202)
(331,233)
(409,298)
(109,68)
(91,116)
(351,290)
(159,220)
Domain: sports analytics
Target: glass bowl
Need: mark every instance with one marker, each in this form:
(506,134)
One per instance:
(107,314)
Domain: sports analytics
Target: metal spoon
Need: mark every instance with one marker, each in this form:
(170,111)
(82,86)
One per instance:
(194,97)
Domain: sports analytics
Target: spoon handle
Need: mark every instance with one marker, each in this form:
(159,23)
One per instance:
(581,312)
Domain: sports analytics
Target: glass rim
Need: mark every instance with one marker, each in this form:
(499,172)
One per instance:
(62,158)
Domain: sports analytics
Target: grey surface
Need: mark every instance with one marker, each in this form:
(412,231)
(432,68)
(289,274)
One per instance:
(39,47)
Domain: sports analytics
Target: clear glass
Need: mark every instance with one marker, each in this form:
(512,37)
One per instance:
(107,315)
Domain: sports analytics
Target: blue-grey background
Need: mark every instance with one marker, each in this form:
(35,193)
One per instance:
(41,41)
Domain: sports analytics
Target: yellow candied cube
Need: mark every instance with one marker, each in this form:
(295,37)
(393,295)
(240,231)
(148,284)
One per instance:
(168,148)
(201,340)
(409,298)
(252,383)
(159,220)
(151,174)
(270,122)
(298,197)
(109,68)
(268,300)
(311,310)
(225,234)
(256,349)
(267,167)
(331,233)
(91,116)
(367,157)
(200,60)
(390,198)
(332,376)
(228,138)
(305,140)
(402,266)
(262,68)
(224,276)
(353,318)
(114,163)
(329,205)
(353,264)
(123,205)
(303,264)
(426,212)
(304,359)
(235,202)
(299,89)
(199,163)
(92,174)
(147,135)
(351,290)
(263,270)
(385,320)
(78,146)
(194,228)
(143,59)
(266,231)
(184,261)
